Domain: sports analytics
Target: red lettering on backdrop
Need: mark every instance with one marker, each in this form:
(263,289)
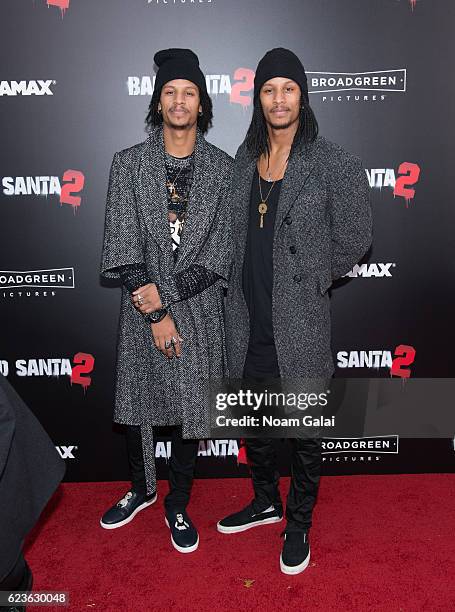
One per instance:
(245,84)
(76,183)
(87,362)
(62,4)
(411,174)
(405,355)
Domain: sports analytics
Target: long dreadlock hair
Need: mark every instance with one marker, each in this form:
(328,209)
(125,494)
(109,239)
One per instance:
(204,121)
(257,137)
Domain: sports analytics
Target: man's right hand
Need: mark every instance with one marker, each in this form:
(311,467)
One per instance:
(164,331)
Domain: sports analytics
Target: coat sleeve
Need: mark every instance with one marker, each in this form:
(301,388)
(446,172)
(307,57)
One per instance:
(122,235)
(134,276)
(216,253)
(351,217)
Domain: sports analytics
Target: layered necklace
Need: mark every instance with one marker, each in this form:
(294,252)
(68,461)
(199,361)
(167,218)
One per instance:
(178,200)
(179,176)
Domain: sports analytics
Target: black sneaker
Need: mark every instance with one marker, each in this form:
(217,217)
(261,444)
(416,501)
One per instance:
(124,511)
(249,517)
(295,555)
(184,535)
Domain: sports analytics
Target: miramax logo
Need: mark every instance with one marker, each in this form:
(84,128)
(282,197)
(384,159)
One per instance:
(27,88)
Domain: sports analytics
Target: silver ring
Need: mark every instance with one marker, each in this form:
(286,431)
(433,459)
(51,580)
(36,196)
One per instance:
(167,344)
(174,340)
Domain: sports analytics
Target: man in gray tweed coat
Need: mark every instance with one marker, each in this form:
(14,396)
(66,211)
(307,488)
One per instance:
(167,240)
(301,218)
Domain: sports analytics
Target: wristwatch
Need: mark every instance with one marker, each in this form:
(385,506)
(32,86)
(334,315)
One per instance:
(156,316)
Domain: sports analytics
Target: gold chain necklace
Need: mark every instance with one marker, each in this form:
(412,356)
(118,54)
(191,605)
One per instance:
(262,207)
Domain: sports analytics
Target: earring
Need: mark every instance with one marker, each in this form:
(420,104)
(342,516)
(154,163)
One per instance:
(200,113)
(159,111)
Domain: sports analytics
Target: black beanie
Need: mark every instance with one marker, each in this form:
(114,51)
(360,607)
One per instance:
(178,64)
(280,63)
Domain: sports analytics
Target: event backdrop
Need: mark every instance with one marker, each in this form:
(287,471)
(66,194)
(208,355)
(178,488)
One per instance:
(75,82)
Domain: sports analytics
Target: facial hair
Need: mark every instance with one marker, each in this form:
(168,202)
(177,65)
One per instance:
(180,126)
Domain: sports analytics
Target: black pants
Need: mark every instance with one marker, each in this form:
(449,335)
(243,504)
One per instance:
(305,476)
(306,464)
(181,466)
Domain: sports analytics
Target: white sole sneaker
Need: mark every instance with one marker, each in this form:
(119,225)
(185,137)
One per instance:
(186,549)
(291,570)
(132,515)
(240,528)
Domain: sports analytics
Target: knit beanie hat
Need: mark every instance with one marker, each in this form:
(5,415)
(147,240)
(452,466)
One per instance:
(178,64)
(280,62)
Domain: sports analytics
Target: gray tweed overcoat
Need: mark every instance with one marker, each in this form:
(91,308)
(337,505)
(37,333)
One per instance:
(150,388)
(323,227)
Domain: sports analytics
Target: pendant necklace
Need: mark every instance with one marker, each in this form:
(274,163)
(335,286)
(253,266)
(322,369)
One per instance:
(171,186)
(262,208)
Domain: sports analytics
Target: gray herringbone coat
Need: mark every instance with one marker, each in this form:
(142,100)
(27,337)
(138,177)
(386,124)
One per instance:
(151,389)
(324,214)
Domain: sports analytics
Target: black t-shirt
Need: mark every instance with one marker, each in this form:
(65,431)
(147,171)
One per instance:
(261,360)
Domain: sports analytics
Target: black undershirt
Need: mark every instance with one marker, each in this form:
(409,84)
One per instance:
(261,360)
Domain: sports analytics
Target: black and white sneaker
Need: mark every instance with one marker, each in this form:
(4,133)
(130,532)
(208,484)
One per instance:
(295,555)
(184,535)
(249,517)
(124,511)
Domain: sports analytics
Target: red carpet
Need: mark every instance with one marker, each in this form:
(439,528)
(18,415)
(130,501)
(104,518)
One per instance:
(379,543)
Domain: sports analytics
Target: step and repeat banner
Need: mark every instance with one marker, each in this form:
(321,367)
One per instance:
(76,78)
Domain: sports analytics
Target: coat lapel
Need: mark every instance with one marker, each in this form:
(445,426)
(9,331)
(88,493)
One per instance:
(152,190)
(299,168)
(201,204)
(240,195)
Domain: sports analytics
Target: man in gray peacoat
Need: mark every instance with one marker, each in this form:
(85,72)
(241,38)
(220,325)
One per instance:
(301,218)
(167,241)
(322,229)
